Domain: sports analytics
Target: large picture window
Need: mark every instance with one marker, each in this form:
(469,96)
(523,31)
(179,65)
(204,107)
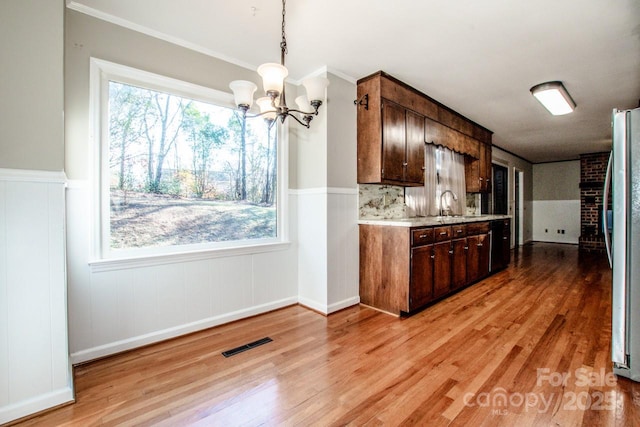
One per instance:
(180,168)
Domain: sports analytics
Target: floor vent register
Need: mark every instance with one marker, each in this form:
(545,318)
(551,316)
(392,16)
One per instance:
(246,347)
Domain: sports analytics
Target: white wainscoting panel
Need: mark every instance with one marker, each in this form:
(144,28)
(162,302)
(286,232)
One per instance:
(312,249)
(119,309)
(35,372)
(342,249)
(328,270)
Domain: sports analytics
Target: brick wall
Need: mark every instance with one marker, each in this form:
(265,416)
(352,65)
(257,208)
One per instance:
(593,168)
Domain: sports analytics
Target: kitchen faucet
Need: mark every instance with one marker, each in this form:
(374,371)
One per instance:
(455,199)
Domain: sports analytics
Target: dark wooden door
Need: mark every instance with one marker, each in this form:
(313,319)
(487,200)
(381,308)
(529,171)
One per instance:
(516,208)
(500,190)
(421,289)
(414,172)
(393,141)
(459,263)
(485,167)
(441,268)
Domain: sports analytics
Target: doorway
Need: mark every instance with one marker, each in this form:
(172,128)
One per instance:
(519,207)
(500,190)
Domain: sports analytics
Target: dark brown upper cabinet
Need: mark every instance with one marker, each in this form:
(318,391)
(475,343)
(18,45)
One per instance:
(396,120)
(396,156)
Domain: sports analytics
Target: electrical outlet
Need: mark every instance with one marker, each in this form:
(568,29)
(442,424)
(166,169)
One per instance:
(546,230)
(562,231)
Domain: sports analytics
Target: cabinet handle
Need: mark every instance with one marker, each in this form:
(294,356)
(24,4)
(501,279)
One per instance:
(405,164)
(466,248)
(423,168)
(481,179)
(451,252)
(504,238)
(443,233)
(433,257)
(479,245)
(458,231)
(422,236)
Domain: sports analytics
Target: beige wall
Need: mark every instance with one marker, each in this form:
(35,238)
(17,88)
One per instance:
(31,84)
(326,153)
(556,181)
(310,147)
(341,133)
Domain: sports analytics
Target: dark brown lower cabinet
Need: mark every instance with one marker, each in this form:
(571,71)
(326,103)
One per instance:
(478,257)
(421,288)
(441,268)
(501,244)
(459,263)
(403,269)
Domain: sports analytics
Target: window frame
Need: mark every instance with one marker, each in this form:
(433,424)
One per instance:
(102,256)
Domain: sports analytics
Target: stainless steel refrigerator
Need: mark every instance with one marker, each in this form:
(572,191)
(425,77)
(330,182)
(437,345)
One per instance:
(623,247)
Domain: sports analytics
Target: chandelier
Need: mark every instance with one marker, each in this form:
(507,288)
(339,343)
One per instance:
(274,104)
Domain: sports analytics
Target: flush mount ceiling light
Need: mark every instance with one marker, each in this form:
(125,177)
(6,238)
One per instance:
(554,97)
(274,104)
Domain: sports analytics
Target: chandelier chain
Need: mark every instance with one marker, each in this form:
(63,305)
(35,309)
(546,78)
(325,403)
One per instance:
(283,43)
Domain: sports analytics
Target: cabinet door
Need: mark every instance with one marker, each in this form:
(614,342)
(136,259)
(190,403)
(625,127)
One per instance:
(472,174)
(414,172)
(473,258)
(484,255)
(500,244)
(441,268)
(393,141)
(485,168)
(421,288)
(459,263)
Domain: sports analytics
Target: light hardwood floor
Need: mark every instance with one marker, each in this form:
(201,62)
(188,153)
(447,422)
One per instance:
(493,354)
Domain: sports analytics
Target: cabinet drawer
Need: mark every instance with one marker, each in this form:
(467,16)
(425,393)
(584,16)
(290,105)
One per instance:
(421,236)
(478,228)
(458,230)
(441,234)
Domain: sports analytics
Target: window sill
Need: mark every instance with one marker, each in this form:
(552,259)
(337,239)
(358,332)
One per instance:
(172,258)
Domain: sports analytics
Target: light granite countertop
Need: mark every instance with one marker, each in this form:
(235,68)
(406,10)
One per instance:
(431,220)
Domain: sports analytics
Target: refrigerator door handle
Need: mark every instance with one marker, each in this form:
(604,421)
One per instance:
(605,205)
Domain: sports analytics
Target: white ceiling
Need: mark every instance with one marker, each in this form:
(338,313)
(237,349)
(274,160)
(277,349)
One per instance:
(478,57)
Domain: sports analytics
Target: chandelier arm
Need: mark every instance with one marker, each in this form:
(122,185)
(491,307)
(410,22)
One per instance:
(253,116)
(298,120)
(310,113)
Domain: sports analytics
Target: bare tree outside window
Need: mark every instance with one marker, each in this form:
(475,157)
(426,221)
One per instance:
(184,171)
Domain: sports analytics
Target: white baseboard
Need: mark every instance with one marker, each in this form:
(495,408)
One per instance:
(337,306)
(141,340)
(35,404)
(313,305)
(328,309)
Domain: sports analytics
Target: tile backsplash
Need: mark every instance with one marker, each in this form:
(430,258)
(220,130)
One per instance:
(377,201)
